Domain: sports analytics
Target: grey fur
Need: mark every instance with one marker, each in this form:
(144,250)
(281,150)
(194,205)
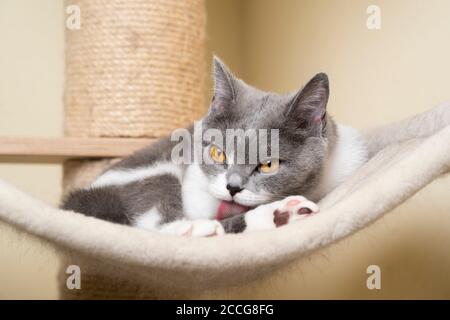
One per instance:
(122,204)
(307,135)
(234,224)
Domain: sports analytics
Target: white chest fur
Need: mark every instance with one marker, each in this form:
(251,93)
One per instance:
(349,154)
(198,203)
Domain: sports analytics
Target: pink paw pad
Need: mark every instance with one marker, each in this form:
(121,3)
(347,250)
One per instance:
(280,217)
(304,210)
(292,203)
(293,209)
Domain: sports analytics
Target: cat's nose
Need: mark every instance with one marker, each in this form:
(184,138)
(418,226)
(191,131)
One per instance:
(233,189)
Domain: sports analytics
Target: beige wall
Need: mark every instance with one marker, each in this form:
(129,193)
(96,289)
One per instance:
(224,34)
(31,81)
(376,77)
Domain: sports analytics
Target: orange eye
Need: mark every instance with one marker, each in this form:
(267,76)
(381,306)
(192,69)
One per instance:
(216,154)
(269,166)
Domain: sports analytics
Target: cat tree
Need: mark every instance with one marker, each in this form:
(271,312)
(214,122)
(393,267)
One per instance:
(136,70)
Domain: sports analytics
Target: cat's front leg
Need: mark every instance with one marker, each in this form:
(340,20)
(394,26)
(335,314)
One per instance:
(264,217)
(271,215)
(193,228)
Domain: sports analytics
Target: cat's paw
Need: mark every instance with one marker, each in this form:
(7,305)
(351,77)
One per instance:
(292,209)
(193,228)
(279,213)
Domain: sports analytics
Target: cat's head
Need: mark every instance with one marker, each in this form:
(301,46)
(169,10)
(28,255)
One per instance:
(303,135)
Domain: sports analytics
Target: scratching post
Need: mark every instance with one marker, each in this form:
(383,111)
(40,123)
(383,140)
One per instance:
(135,68)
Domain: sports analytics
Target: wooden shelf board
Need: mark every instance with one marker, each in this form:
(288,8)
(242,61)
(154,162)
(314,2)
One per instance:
(65,147)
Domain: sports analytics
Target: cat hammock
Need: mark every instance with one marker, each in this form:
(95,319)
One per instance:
(124,82)
(121,261)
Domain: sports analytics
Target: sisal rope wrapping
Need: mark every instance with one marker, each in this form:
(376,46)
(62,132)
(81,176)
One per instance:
(136,68)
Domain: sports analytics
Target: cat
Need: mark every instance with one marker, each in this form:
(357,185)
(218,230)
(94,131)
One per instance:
(150,190)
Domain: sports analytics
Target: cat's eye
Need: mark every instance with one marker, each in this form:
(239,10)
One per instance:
(217,154)
(269,166)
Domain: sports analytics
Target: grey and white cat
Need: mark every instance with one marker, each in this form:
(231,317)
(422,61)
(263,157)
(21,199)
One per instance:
(149,190)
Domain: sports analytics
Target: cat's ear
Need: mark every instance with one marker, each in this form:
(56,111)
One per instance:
(308,108)
(224,83)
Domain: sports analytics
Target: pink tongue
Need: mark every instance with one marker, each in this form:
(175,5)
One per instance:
(229,208)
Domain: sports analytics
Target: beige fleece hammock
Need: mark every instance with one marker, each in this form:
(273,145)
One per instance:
(110,78)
